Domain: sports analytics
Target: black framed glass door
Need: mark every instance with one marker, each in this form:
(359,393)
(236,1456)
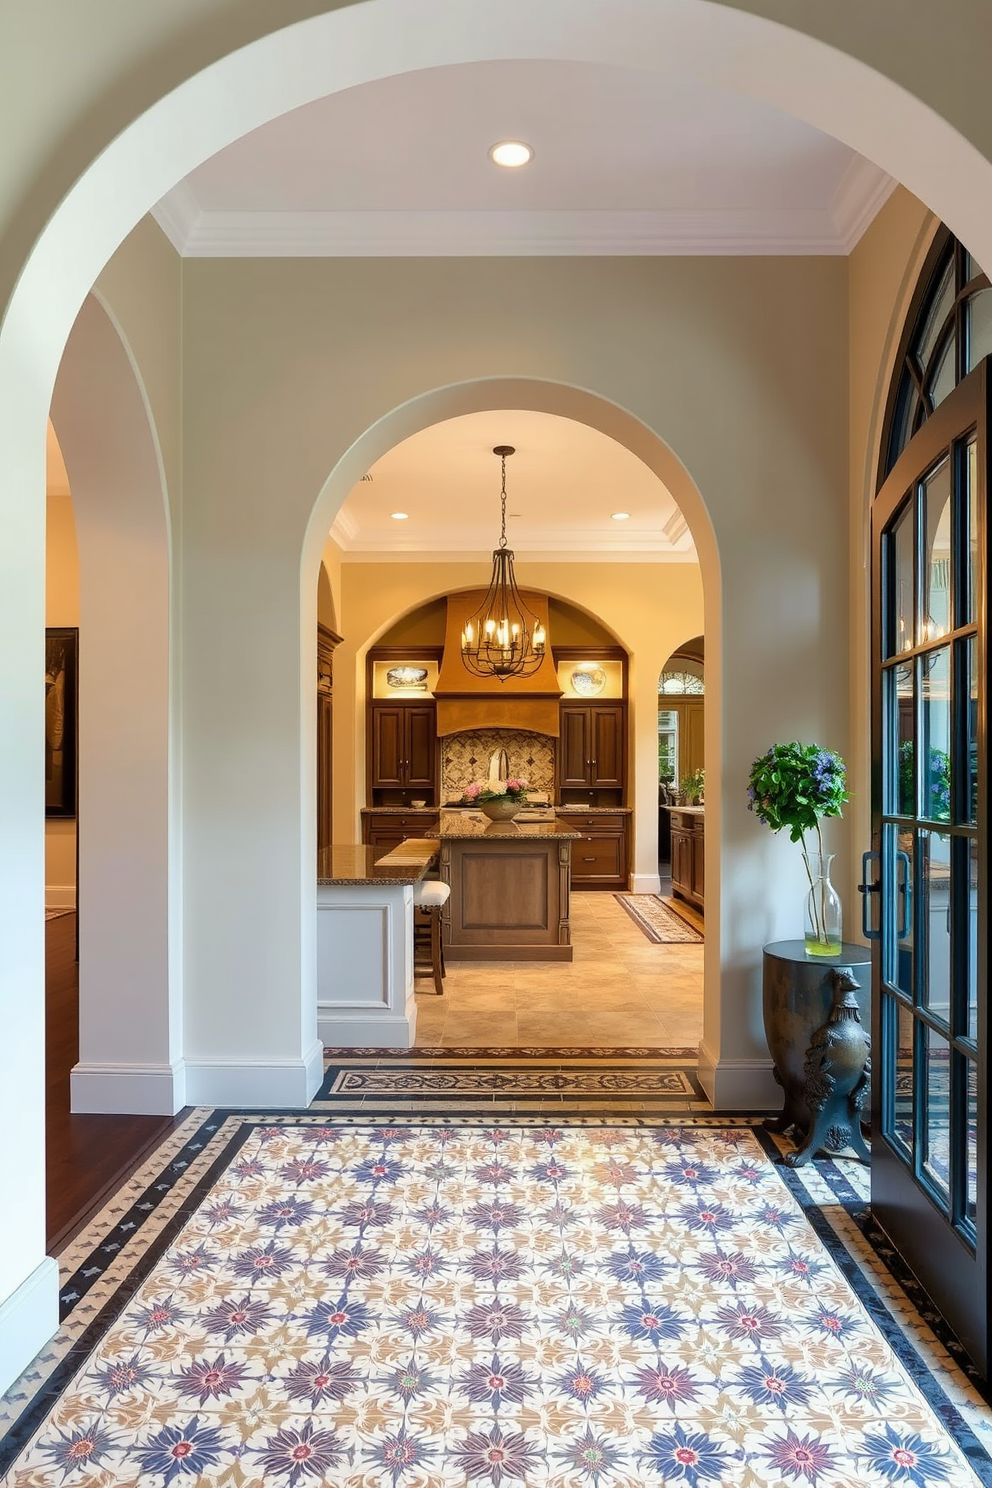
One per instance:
(929,1150)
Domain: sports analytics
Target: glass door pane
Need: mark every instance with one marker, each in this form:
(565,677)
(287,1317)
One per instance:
(929,977)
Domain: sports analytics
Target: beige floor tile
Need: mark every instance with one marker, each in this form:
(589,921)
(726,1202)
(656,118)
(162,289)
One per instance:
(618,989)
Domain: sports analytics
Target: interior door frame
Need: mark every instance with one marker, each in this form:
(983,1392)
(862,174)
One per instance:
(956,1278)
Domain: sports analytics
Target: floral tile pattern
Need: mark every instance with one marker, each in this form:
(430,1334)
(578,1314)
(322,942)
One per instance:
(419,1303)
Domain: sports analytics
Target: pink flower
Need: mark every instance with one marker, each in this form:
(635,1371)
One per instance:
(516,785)
(471,791)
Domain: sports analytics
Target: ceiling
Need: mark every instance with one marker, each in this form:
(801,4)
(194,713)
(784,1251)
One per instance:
(624,163)
(563,483)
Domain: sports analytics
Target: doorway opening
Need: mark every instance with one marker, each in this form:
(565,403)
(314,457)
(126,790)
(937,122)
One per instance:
(409,749)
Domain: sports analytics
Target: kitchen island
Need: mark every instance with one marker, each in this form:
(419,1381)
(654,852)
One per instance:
(509,889)
(365,944)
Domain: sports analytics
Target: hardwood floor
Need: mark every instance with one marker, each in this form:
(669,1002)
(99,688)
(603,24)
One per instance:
(87,1156)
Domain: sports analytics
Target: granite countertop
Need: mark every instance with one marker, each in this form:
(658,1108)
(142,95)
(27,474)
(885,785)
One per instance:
(596,810)
(353,864)
(689,810)
(456,824)
(401,810)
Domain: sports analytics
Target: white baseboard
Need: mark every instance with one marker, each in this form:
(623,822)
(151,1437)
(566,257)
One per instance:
(261,1083)
(738,1084)
(340,1030)
(127,1089)
(645,883)
(29,1317)
(60,896)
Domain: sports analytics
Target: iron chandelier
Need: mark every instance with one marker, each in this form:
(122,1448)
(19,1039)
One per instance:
(503,637)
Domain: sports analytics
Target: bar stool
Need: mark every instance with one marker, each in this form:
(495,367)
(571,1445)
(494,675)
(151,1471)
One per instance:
(430,895)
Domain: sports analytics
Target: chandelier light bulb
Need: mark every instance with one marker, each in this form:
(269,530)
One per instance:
(400,516)
(511,154)
(620,516)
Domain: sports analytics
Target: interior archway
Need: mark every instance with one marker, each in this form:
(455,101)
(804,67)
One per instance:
(646,657)
(129,993)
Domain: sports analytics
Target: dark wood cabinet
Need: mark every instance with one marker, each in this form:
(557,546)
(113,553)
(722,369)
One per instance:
(592,745)
(404,746)
(384,830)
(599,856)
(688,856)
(326,642)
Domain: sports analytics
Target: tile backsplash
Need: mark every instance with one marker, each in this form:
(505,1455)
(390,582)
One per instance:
(465,757)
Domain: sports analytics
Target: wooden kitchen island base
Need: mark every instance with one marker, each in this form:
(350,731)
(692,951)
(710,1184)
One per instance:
(509,892)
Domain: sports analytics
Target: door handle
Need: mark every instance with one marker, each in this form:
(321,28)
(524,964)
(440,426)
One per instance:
(866,888)
(905,890)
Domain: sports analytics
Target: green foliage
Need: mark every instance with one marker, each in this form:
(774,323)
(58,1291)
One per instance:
(691,785)
(795,785)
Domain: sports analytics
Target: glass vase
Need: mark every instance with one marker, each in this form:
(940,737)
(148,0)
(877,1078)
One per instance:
(823,909)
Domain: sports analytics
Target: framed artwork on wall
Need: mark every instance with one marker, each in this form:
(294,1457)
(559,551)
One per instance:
(61,671)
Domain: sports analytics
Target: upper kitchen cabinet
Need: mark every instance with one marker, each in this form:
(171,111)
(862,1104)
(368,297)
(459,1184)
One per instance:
(592,716)
(403,746)
(592,745)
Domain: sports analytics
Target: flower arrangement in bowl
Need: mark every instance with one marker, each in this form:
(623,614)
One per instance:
(500,800)
(796,786)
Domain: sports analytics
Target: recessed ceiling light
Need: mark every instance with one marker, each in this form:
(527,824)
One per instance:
(399,516)
(511,154)
(620,516)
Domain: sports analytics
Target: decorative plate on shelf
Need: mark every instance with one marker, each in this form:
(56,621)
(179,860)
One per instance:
(409,678)
(588,681)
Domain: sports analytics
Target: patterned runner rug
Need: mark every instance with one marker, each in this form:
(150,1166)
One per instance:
(659,923)
(303,1299)
(451,1082)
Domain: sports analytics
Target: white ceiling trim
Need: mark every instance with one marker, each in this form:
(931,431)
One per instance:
(465,234)
(442,541)
(521,555)
(863,191)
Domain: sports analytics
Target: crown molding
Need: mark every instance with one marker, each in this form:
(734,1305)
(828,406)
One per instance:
(863,191)
(344,530)
(447,541)
(177,215)
(802,231)
(676,528)
(521,555)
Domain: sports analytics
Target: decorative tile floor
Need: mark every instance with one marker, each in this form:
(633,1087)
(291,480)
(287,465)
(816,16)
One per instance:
(301,1299)
(607,1082)
(513,1082)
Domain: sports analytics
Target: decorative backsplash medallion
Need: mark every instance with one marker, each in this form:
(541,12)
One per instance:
(465,757)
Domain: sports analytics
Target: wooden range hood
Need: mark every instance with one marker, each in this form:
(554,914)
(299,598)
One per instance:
(465,701)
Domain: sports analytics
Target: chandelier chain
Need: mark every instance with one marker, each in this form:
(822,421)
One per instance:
(502,497)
